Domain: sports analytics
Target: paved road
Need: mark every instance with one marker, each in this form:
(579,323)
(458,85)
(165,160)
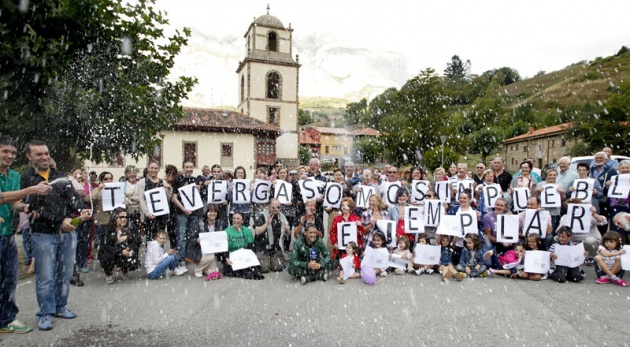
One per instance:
(402,310)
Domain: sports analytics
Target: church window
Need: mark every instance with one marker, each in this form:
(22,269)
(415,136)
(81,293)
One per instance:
(272,41)
(273,85)
(273,116)
(242,88)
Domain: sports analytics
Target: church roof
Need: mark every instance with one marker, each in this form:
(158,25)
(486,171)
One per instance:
(268,21)
(214,120)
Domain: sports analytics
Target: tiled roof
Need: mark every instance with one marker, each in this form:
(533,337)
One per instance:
(336,131)
(367,132)
(306,139)
(544,132)
(204,119)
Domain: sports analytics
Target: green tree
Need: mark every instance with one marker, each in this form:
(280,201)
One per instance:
(484,142)
(367,150)
(356,112)
(610,127)
(305,155)
(457,69)
(89,77)
(304,117)
(381,106)
(418,121)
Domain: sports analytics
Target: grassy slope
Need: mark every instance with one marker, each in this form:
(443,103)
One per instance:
(572,86)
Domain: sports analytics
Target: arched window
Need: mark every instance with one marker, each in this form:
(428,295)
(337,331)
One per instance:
(272,41)
(242,88)
(273,85)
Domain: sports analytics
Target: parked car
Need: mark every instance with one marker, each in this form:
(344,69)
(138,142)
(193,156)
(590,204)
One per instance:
(589,159)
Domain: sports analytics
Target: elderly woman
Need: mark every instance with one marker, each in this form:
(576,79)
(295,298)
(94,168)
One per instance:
(346,216)
(525,179)
(487,178)
(240,237)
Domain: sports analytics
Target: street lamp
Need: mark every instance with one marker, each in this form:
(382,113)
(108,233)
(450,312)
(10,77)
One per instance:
(443,138)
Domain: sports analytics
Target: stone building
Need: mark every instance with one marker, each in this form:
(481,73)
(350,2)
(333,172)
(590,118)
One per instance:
(545,146)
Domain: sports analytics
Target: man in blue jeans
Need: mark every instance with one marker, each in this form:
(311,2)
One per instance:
(10,197)
(52,234)
(187,220)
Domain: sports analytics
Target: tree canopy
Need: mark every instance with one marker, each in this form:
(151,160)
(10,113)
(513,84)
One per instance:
(89,77)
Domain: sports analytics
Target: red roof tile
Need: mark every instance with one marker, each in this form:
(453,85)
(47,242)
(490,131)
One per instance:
(337,131)
(307,139)
(367,132)
(204,119)
(544,132)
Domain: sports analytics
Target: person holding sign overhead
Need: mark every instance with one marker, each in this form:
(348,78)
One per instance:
(347,205)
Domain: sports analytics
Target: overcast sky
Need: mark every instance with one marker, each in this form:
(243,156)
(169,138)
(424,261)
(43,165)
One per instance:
(528,36)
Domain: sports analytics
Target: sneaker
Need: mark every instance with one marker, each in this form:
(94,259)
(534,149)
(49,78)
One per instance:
(213,276)
(198,274)
(184,269)
(109,279)
(325,277)
(483,274)
(84,270)
(16,327)
(420,271)
(76,281)
(620,282)
(399,271)
(429,271)
(603,280)
(544,277)
(45,323)
(590,261)
(341,280)
(303,280)
(178,271)
(460,276)
(66,314)
(383,273)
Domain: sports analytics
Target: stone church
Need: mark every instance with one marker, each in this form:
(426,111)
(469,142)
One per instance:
(265,127)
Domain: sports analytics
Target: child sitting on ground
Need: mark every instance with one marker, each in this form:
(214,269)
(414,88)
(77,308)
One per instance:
(351,249)
(533,244)
(403,251)
(608,260)
(510,257)
(446,258)
(563,273)
(421,268)
(471,262)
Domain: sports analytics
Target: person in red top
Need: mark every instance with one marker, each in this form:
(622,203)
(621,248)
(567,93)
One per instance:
(347,206)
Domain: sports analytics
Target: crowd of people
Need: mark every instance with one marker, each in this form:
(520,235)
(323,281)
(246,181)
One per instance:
(66,228)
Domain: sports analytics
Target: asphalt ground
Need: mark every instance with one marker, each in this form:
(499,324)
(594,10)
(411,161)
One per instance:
(405,310)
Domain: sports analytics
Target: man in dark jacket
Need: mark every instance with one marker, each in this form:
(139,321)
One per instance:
(310,259)
(53,238)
